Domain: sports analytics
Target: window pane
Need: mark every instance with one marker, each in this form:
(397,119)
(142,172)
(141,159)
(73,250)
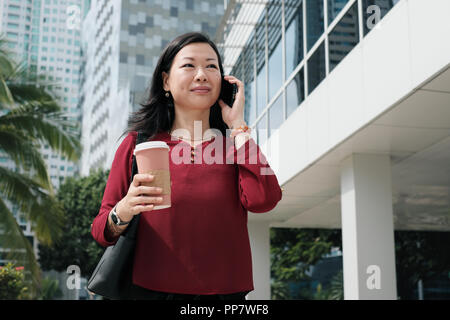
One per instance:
(316,68)
(261,89)
(123,58)
(375,10)
(334,7)
(237,69)
(249,81)
(344,37)
(13,25)
(294,35)
(276,114)
(275,48)
(275,71)
(314,21)
(250,92)
(261,130)
(295,92)
(140,59)
(12,35)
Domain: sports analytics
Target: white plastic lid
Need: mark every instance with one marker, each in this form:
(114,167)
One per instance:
(150,144)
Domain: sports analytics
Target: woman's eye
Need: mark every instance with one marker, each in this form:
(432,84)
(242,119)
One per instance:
(190,65)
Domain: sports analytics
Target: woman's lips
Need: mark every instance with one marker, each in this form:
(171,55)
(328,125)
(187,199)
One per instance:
(201,90)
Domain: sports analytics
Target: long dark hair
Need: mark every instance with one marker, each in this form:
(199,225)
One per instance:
(157,112)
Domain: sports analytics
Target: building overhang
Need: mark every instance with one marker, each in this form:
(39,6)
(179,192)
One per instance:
(390,95)
(235,28)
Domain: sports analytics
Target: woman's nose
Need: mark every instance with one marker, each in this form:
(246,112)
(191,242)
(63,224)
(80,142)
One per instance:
(200,75)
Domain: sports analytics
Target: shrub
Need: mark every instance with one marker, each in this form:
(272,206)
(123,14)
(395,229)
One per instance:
(12,283)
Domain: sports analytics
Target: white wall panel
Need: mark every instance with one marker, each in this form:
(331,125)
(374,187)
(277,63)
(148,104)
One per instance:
(346,97)
(386,62)
(318,122)
(429,25)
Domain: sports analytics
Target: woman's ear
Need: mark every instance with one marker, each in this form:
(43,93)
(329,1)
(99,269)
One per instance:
(165,78)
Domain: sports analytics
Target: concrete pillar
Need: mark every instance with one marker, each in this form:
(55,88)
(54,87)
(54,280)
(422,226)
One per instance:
(368,228)
(259,233)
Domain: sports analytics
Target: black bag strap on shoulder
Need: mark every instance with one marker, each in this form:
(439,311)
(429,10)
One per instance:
(141,137)
(131,231)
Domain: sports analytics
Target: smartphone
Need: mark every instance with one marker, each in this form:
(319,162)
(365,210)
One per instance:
(228,92)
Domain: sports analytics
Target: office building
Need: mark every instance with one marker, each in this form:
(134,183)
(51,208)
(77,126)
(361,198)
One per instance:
(122,41)
(349,100)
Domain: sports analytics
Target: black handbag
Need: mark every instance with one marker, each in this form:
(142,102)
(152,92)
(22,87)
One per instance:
(113,275)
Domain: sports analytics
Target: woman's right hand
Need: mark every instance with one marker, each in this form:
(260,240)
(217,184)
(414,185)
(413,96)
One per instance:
(139,198)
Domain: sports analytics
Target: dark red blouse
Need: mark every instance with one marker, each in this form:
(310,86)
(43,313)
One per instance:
(200,245)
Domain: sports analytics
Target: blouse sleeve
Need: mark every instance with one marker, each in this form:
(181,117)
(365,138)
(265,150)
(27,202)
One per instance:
(116,188)
(259,190)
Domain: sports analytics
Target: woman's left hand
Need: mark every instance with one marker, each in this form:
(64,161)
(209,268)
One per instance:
(234,115)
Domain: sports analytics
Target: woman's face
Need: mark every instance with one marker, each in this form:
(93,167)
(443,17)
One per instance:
(195,65)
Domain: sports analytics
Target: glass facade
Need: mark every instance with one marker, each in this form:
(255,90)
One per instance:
(334,8)
(295,92)
(248,76)
(276,114)
(316,68)
(261,129)
(146,26)
(275,47)
(294,34)
(282,66)
(314,21)
(374,10)
(260,51)
(344,36)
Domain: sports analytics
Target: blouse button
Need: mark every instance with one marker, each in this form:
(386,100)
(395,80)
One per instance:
(192,154)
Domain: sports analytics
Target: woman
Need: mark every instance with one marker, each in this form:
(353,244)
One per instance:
(199,247)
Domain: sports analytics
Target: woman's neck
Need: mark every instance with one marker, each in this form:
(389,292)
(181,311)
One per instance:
(190,125)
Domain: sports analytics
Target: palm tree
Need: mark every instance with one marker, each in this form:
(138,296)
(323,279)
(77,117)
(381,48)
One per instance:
(29,115)
(337,287)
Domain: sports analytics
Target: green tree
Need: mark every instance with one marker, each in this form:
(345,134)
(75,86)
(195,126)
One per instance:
(12,283)
(321,293)
(419,255)
(30,115)
(80,198)
(50,289)
(337,287)
(279,290)
(293,251)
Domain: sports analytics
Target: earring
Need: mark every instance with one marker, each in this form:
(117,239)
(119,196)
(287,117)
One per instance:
(167,94)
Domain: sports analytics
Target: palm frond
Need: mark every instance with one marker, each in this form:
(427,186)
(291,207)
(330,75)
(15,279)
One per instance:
(30,114)
(35,110)
(22,150)
(44,122)
(7,66)
(6,63)
(35,202)
(337,287)
(6,97)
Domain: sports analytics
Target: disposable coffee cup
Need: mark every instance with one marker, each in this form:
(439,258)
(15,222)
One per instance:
(152,157)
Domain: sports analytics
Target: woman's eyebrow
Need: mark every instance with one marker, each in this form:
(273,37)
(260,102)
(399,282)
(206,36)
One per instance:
(190,58)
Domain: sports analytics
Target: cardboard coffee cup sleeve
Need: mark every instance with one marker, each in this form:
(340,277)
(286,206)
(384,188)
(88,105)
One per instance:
(161,179)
